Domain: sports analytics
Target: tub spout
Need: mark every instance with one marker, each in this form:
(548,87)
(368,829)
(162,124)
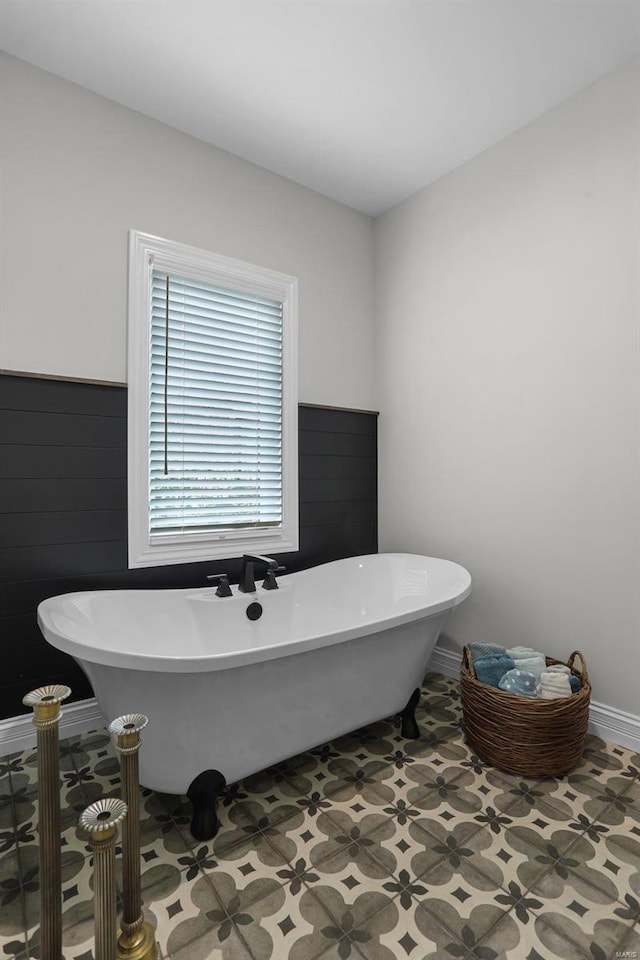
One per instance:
(247,579)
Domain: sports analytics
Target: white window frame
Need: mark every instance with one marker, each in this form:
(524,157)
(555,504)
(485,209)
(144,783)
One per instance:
(148,253)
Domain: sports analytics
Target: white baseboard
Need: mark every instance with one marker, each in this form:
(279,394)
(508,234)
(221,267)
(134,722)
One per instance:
(615,725)
(18,733)
(445,661)
(605,722)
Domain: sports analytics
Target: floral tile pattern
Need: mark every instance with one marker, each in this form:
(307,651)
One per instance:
(370,847)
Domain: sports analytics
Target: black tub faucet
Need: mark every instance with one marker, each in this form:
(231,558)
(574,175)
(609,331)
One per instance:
(247,580)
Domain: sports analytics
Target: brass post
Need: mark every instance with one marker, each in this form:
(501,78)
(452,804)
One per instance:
(136,937)
(100,821)
(46,716)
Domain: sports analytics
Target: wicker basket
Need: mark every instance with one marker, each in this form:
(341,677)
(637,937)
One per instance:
(534,738)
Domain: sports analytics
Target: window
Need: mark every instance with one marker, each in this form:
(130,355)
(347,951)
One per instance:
(212,367)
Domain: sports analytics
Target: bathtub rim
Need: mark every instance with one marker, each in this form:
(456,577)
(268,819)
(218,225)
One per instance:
(152,663)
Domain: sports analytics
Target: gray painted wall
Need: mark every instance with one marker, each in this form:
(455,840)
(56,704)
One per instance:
(79,171)
(508,370)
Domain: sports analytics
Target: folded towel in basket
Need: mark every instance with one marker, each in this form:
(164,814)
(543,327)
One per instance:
(484,649)
(526,658)
(535,665)
(519,682)
(516,652)
(492,668)
(563,668)
(575,683)
(554,685)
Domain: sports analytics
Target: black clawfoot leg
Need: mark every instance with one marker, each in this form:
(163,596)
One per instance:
(202,793)
(410,729)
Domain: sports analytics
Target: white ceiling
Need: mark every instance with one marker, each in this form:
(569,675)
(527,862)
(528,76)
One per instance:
(365,101)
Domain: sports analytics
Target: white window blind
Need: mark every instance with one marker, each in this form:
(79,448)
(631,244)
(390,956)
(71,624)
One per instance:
(215,396)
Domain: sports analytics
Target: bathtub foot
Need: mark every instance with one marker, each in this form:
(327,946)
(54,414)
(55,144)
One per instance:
(202,793)
(410,729)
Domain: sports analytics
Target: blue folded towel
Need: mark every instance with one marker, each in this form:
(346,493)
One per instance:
(484,649)
(526,658)
(520,682)
(575,683)
(492,668)
(518,652)
(535,664)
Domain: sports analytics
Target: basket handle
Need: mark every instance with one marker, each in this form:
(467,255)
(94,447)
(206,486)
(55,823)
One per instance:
(467,661)
(585,672)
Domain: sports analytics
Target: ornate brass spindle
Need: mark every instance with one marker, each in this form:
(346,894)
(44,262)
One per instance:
(100,820)
(46,717)
(136,938)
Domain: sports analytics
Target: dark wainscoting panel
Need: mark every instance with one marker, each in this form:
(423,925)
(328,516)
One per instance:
(63,512)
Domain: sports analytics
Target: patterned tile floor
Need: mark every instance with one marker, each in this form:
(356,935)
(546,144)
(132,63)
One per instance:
(368,847)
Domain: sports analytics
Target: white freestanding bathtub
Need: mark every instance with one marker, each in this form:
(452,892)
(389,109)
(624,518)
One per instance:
(337,646)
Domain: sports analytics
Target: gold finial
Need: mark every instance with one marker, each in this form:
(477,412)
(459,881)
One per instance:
(103,815)
(46,701)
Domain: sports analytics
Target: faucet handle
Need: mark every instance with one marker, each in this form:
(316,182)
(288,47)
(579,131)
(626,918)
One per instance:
(270,582)
(222,579)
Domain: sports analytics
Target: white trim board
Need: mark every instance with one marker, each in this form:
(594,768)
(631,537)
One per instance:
(17,733)
(605,722)
(147,254)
